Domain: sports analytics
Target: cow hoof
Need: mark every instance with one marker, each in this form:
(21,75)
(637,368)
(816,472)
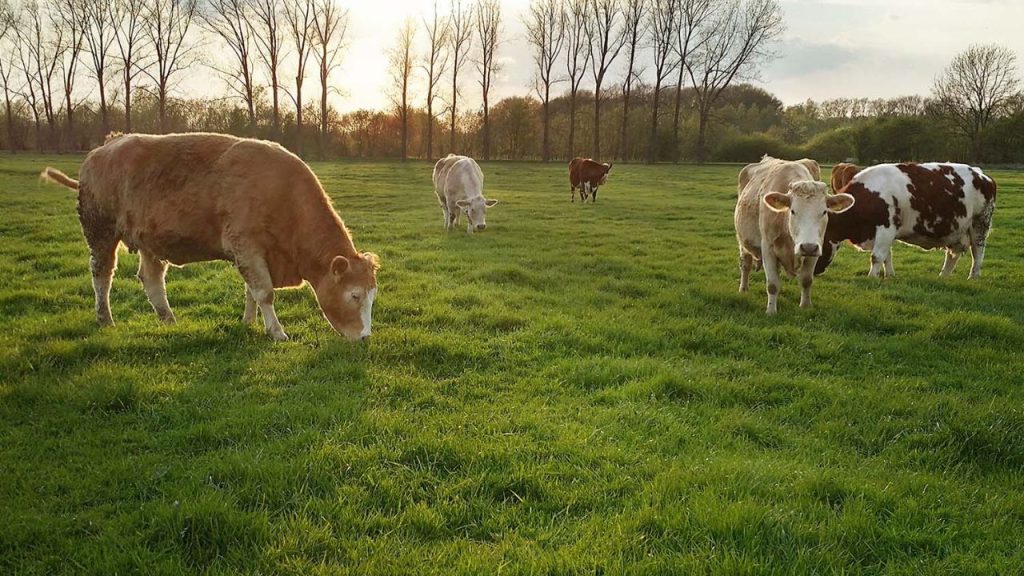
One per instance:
(168,319)
(279,336)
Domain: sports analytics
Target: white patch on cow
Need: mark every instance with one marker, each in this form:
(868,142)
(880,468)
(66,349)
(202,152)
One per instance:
(366,311)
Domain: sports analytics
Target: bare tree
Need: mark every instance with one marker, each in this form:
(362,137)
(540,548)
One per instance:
(635,18)
(691,35)
(71,16)
(269,35)
(975,88)
(7,64)
(545,29)
(166,24)
(664,17)
(460,40)
(129,33)
(39,53)
(743,31)
(99,39)
(401,59)
(299,16)
(606,37)
(330,26)
(434,65)
(488,28)
(576,58)
(231,20)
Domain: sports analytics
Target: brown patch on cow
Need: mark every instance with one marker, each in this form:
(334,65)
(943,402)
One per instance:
(897,213)
(860,222)
(984,184)
(937,196)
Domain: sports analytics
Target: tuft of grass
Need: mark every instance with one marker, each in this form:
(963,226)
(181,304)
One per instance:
(578,390)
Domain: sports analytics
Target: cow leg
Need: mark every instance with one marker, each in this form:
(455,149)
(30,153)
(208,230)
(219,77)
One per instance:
(806,280)
(572,194)
(259,284)
(249,316)
(890,272)
(771,277)
(952,256)
(152,272)
(980,228)
(103,262)
(593,195)
(444,212)
(746,263)
(881,251)
(453,216)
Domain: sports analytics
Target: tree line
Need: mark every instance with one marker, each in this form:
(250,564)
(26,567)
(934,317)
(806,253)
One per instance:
(633,80)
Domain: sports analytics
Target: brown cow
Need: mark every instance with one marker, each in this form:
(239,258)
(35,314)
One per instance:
(586,175)
(185,198)
(842,173)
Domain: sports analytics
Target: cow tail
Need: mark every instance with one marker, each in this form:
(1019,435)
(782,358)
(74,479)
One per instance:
(58,177)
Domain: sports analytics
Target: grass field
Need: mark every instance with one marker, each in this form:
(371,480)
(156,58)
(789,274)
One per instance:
(578,390)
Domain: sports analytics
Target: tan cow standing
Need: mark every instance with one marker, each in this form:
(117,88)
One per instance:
(185,198)
(780,221)
(459,187)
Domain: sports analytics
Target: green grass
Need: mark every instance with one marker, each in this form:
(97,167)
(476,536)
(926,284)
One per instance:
(579,389)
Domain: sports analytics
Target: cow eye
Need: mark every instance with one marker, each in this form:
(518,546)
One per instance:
(823,212)
(793,212)
(356,296)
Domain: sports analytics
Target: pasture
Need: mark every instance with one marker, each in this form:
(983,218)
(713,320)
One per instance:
(577,390)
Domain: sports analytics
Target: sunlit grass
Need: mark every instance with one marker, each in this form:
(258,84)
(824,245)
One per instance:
(579,389)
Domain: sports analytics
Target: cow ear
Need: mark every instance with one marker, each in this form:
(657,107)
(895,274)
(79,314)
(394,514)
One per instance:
(490,203)
(339,266)
(464,204)
(372,260)
(839,203)
(777,201)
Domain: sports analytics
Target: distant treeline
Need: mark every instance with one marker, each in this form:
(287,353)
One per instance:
(748,123)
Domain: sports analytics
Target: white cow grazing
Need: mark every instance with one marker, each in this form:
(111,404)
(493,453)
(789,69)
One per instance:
(780,221)
(459,185)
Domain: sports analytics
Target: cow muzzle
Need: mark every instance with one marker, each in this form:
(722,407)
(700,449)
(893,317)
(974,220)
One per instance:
(481,226)
(808,249)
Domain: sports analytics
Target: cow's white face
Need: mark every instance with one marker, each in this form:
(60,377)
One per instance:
(476,212)
(346,294)
(808,206)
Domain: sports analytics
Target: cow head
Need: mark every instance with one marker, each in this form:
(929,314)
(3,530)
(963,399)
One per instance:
(346,293)
(604,177)
(808,206)
(476,212)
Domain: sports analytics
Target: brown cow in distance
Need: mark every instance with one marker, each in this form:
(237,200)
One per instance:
(185,198)
(587,175)
(842,173)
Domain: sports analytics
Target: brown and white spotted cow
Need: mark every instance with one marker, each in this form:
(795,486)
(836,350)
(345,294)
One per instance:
(780,221)
(586,175)
(842,173)
(928,205)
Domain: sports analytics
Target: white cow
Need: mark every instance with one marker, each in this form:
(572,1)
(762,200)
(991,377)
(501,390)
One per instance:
(459,184)
(780,220)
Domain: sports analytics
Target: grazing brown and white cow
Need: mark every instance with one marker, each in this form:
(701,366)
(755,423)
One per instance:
(780,221)
(586,175)
(934,205)
(185,198)
(842,173)
(459,186)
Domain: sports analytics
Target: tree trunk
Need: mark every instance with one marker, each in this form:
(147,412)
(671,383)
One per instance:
(546,151)
(652,149)
(10,124)
(455,99)
(430,130)
(676,114)
(572,125)
(323,112)
(128,106)
(597,124)
(623,148)
(71,122)
(163,108)
(277,108)
(104,112)
(299,143)
(702,136)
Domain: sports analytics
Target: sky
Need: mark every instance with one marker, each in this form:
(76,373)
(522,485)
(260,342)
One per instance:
(831,48)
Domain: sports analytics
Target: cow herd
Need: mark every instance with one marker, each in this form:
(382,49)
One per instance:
(183,198)
(934,205)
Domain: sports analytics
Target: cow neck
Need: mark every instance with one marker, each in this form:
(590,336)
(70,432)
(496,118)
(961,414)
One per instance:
(325,237)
